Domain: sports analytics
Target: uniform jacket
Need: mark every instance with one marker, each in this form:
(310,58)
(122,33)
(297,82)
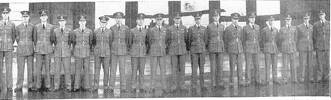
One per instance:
(7,36)
(268,41)
(103,40)
(156,41)
(42,38)
(24,38)
(82,41)
(138,42)
(62,41)
(120,40)
(287,39)
(233,39)
(321,35)
(251,38)
(176,40)
(197,39)
(305,37)
(215,38)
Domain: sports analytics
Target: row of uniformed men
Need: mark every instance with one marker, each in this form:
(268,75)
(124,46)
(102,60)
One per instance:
(111,46)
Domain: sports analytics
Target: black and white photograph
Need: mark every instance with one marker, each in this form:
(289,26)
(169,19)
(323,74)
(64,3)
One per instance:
(169,49)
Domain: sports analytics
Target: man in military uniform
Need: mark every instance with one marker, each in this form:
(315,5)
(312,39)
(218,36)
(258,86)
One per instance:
(62,53)
(305,48)
(197,40)
(251,37)
(24,38)
(233,35)
(102,37)
(7,38)
(287,43)
(138,52)
(82,44)
(119,51)
(269,48)
(177,37)
(156,40)
(215,47)
(43,49)
(321,40)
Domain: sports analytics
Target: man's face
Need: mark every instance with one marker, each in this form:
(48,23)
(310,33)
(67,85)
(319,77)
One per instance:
(62,23)
(118,20)
(103,24)
(82,22)
(5,15)
(140,22)
(288,21)
(251,20)
(270,22)
(235,21)
(197,20)
(306,19)
(216,18)
(25,18)
(322,17)
(44,18)
(177,20)
(159,21)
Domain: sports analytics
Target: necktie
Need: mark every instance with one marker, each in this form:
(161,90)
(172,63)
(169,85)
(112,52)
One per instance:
(236,26)
(102,30)
(271,29)
(44,26)
(322,23)
(118,28)
(62,30)
(217,24)
(307,26)
(253,27)
(140,29)
(159,28)
(82,30)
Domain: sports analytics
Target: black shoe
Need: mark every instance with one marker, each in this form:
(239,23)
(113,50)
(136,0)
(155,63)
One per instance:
(277,83)
(142,91)
(204,89)
(68,90)
(55,90)
(123,91)
(152,90)
(9,89)
(30,89)
(220,87)
(75,90)
(18,89)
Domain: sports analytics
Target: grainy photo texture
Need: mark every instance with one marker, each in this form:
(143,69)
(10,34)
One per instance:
(164,49)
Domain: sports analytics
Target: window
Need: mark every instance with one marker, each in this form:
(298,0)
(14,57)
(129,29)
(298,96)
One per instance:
(231,6)
(268,7)
(102,8)
(194,5)
(158,7)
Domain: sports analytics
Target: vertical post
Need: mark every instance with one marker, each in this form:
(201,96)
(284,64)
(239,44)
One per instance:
(213,4)
(131,11)
(250,8)
(174,7)
(283,10)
